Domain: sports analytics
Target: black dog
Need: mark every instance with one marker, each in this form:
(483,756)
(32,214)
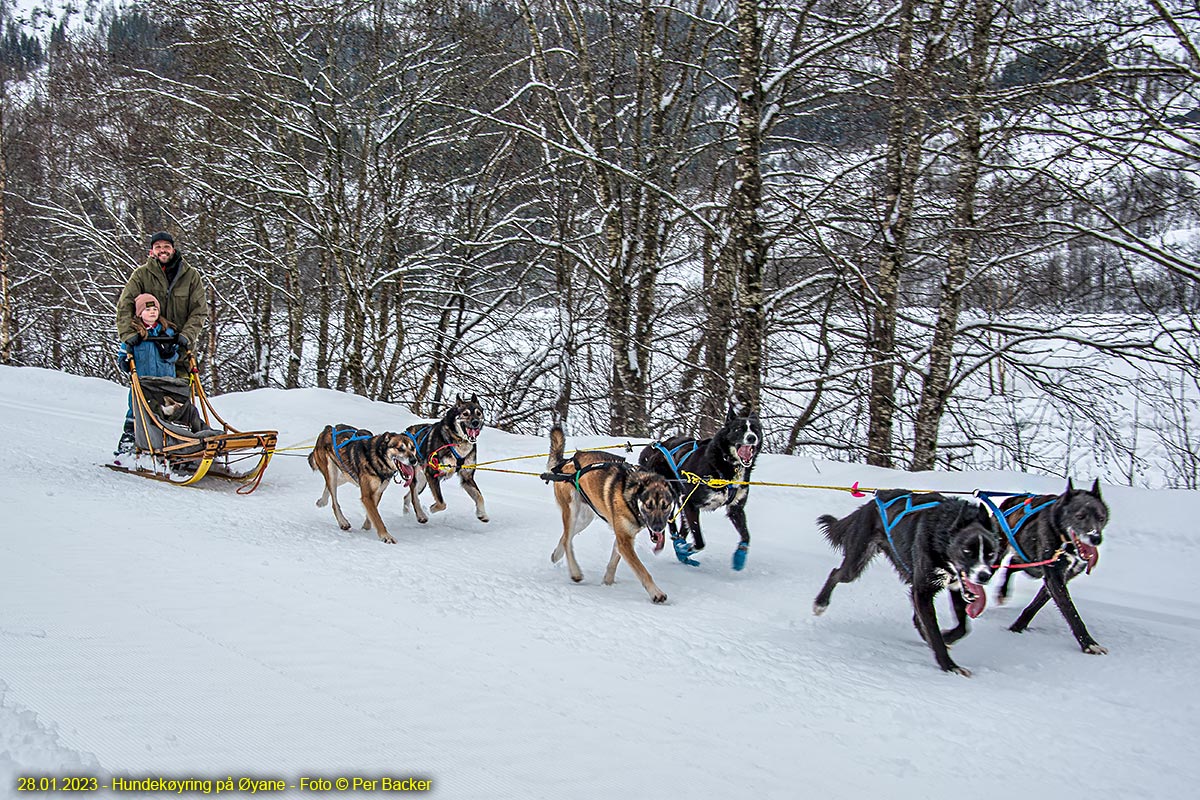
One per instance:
(1059,535)
(934,542)
(728,455)
(445,447)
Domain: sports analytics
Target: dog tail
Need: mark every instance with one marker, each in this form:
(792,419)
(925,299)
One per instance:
(558,443)
(834,530)
(312,457)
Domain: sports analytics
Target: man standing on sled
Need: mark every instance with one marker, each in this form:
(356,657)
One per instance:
(180,291)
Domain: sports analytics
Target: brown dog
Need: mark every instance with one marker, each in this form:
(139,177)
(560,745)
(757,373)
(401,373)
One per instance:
(345,454)
(594,483)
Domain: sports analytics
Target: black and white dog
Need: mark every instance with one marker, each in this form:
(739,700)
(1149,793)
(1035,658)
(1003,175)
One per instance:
(934,542)
(1064,530)
(728,455)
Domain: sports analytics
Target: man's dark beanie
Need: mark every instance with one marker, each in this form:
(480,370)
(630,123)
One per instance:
(162,236)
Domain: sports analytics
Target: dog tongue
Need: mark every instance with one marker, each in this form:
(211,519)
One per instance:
(976,606)
(746,453)
(658,540)
(1088,553)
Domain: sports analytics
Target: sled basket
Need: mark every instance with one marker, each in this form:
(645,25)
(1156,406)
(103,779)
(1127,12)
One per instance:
(184,454)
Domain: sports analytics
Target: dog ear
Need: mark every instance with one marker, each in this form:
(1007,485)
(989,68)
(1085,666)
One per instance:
(1096,489)
(1070,486)
(458,399)
(474,399)
(740,405)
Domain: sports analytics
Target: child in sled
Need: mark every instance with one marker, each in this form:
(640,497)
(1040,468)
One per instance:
(154,351)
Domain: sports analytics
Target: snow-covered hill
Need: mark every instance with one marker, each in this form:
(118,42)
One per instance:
(150,630)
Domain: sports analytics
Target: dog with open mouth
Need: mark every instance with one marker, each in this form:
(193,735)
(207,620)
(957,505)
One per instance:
(593,483)
(345,454)
(934,542)
(1062,532)
(727,455)
(446,447)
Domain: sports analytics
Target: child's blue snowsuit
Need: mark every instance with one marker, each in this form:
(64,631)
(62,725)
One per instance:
(149,360)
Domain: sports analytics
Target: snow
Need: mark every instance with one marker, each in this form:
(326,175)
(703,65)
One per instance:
(148,630)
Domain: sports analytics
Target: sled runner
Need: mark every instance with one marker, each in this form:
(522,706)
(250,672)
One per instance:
(180,438)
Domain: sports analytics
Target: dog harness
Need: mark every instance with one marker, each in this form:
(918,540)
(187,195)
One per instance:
(1002,517)
(556,475)
(889,526)
(669,455)
(421,438)
(682,476)
(418,439)
(354,435)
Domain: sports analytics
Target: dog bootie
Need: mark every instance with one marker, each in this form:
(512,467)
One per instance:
(739,556)
(683,549)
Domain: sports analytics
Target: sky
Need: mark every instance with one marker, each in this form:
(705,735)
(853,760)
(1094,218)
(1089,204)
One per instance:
(153,631)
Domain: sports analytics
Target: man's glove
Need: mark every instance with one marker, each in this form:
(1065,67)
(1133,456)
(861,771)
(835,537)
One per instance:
(182,341)
(134,341)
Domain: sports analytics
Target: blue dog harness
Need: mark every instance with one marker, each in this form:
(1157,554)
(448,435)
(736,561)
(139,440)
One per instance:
(419,439)
(669,455)
(889,526)
(1002,517)
(352,435)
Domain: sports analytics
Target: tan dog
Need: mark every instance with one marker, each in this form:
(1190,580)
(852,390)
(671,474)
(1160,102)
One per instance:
(345,454)
(594,483)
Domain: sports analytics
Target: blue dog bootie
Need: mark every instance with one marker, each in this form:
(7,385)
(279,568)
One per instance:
(739,556)
(683,549)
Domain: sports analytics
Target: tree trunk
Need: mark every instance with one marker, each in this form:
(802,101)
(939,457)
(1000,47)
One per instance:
(7,328)
(906,126)
(324,313)
(936,386)
(719,280)
(294,298)
(747,246)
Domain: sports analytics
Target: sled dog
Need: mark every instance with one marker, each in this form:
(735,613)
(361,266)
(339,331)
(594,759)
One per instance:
(934,542)
(729,455)
(345,454)
(1069,525)
(594,483)
(443,448)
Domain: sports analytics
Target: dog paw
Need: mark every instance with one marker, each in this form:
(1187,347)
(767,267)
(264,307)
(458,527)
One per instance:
(344,526)
(422,519)
(819,609)
(577,578)
(436,507)
(658,598)
(324,501)
(367,524)
(1094,649)
(483,517)
(966,673)
(386,538)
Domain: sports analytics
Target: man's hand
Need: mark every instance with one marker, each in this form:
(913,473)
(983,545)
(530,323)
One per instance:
(134,341)
(182,341)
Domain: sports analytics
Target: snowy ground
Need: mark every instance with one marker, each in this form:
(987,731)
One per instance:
(150,630)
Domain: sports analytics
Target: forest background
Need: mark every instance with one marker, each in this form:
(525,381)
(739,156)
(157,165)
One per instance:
(941,234)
